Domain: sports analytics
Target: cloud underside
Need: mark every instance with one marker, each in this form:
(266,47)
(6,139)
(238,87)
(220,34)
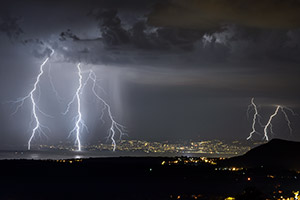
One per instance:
(211,14)
(189,34)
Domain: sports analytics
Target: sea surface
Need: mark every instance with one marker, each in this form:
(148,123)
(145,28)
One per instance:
(65,154)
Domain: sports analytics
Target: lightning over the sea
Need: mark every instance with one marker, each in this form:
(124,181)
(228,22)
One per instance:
(38,128)
(115,127)
(79,123)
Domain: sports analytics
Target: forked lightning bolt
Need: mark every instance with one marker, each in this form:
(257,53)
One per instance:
(114,126)
(269,124)
(255,117)
(79,123)
(31,95)
(268,127)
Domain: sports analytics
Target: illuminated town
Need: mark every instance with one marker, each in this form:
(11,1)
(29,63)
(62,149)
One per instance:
(216,148)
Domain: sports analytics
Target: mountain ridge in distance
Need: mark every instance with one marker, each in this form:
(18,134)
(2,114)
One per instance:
(276,154)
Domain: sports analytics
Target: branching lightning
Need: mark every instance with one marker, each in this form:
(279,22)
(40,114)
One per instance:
(255,117)
(31,95)
(269,124)
(34,96)
(115,126)
(268,127)
(79,124)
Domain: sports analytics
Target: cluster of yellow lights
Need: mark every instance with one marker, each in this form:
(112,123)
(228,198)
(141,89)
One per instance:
(189,161)
(270,176)
(69,161)
(230,169)
(281,198)
(296,197)
(208,161)
(296,194)
(233,198)
(194,196)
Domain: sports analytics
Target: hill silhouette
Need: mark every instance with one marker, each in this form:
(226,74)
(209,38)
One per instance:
(277,154)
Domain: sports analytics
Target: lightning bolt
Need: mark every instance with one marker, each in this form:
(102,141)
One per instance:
(268,127)
(79,116)
(269,124)
(287,118)
(115,127)
(79,123)
(255,116)
(31,95)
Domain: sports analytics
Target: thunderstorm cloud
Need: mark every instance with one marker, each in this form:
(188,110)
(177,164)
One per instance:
(212,14)
(160,60)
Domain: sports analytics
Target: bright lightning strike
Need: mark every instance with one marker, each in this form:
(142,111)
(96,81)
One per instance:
(269,124)
(79,124)
(31,95)
(115,127)
(79,117)
(268,127)
(256,115)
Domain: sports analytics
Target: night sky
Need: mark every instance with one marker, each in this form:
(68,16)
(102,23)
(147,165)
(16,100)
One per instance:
(171,70)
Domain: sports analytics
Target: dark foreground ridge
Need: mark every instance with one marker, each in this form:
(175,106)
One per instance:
(279,154)
(157,178)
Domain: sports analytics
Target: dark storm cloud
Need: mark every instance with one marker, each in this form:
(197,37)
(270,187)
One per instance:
(137,35)
(211,14)
(236,54)
(141,34)
(245,44)
(124,42)
(142,44)
(126,34)
(110,26)
(68,34)
(10,26)
(119,34)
